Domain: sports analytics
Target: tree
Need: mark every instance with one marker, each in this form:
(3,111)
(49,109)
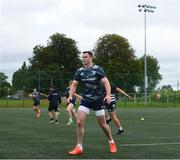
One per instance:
(60,50)
(67,52)
(20,77)
(167,88)
(4,85)
(54,63)
(116,56)
(152,73)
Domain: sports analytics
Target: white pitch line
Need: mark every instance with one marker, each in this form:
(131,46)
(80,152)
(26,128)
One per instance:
(165,123)
(150,144)
(8,149)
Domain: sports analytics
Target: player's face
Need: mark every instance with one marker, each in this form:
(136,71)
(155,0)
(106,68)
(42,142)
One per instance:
(87,59)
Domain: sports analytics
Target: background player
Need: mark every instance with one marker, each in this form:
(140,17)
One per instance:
(36,97)
(112,107)
(71,105)
(54,101)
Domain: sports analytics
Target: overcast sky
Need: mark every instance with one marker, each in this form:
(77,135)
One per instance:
(27,23)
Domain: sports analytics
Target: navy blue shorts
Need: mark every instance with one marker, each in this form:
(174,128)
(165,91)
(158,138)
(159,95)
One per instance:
(53,108)
(111,107)
(36,103)
(95,105)
(73,101)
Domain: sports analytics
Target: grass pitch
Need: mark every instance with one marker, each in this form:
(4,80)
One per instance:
(22,136)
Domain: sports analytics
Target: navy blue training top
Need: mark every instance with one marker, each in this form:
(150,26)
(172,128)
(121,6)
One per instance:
(90,80)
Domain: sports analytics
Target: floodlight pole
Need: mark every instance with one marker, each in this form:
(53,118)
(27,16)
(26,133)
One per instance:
(8,92)
(145,8)
(39,81)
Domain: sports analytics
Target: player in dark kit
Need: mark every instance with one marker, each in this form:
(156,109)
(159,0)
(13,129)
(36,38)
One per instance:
(111,107)
(36,98)
(54,101)
(91,77)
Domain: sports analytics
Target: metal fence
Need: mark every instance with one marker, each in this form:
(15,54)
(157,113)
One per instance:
(163,99)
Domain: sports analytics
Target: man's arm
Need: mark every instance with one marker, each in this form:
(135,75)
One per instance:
(107,86)
(49,96)
(122,92)
(32,95)
(72,91)
(59,97)
(43,94)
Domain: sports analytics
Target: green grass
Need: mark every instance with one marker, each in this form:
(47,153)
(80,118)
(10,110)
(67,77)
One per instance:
(27,103)
(9,103)
(24,137)
(149,104)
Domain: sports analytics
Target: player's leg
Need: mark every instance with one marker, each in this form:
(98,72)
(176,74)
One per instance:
(108,118)
(112,112)
(35,107)
(38,111)
(35,110)
(108,108)
(98,107)
(74,112)
(69,110)
(81,117)
(100,114)
(56,115)
(50,113)
(116,122)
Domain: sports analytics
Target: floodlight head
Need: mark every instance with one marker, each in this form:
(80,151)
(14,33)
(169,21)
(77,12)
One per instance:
(152,7)
(146,8)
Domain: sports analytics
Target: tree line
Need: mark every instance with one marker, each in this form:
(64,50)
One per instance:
(56,62)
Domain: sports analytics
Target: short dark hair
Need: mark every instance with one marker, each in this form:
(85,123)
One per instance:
(89,52)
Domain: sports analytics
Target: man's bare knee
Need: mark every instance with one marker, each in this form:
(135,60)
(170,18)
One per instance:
(80,123)
(103,126)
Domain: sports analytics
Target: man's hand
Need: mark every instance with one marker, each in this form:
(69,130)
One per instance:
(107,99)
(69,99)
(130,98)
